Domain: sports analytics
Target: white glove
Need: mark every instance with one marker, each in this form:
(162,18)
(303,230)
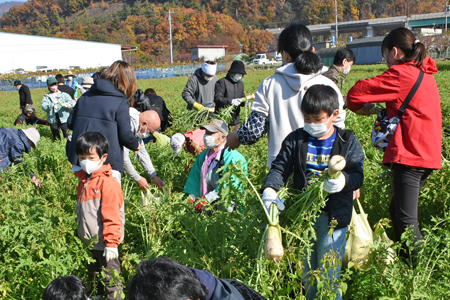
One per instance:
(68,106)
(110,253)
(236,102)
(269,197)
(334,185)
(212,196)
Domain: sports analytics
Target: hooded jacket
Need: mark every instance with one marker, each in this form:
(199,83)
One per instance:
(100,209)
(199,90)
(63,112)
(278,99)
(13,142)
(103,109)
(417,141)
(225,91)
(292,158)
(29,120)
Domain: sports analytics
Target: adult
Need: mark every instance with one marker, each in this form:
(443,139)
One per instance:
(203,177)
(199,90)
(71,82)
(57,105)
(63,87)
(86,84)
(142,125)
(163,278)
(230,91)
(151,101)
(104,108)
(277,106)
(24,94)
(13,143)
(342,63)
(29,117)
(415,147)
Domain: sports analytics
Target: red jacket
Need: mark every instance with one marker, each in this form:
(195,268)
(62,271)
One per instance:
(417,141)
(100,209)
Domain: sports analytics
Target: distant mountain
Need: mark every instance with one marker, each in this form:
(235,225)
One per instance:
(5,5)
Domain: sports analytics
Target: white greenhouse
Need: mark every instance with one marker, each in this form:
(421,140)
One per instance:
(21,52)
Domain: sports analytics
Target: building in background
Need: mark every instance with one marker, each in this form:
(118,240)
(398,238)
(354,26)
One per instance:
(22,52)
(209,52)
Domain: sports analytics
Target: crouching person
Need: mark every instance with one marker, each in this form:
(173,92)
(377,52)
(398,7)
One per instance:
(203,177)
(306,152)
(100,210)
(163,278)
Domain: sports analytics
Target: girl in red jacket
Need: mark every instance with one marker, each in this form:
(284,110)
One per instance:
(415,148)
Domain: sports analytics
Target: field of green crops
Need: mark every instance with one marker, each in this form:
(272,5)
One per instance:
(38,240)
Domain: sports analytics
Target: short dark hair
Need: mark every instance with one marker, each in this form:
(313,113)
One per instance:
(320,97)
(65,288)
(343,53)
(60,78)
(163,278)
(89,140)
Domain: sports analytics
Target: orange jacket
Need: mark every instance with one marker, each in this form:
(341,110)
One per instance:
(100,209)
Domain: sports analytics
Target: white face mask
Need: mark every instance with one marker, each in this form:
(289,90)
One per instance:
(346,71)
(207,78)
(69,78)
(209,141)
(90,166)
(53,88)
(236,77)
(141,135)
(317,130)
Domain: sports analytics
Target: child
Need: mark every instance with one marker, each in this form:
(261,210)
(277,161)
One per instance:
(306,152)
(100,208)
(65,288)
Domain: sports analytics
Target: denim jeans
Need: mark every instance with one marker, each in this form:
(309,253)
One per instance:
(324,244)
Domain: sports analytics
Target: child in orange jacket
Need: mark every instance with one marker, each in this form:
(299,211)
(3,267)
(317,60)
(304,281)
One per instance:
(100,209)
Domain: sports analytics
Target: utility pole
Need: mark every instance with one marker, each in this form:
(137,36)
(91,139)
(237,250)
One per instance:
(170,34)
(446,9)
(335,5)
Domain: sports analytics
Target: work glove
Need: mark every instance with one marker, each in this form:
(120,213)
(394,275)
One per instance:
(37,183)
(198,106)
(236,102)
(269,197)
(110,253)
(161,139)
(333,186)
(212,196)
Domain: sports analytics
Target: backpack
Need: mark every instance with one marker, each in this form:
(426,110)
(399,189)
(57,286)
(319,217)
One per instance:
(156,103)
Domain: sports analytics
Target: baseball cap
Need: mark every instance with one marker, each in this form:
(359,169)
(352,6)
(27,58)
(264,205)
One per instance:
(216,126)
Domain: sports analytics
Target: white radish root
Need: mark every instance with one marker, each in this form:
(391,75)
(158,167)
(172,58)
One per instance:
(273,248)
(336,165)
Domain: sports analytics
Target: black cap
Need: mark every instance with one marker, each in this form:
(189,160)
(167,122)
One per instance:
(237,67)
(17,82)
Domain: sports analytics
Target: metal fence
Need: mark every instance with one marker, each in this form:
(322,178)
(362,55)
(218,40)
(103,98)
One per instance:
(39,82)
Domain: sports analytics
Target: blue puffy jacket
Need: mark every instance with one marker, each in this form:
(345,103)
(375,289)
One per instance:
(13,142)
(292,158)
(103,109)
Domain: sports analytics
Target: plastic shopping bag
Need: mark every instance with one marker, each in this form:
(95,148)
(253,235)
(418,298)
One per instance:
(361,238)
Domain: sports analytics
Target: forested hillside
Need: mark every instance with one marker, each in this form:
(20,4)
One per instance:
(229,22)
(5,6)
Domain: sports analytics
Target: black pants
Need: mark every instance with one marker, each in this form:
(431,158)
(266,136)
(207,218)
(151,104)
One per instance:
(404,205)
(94,270)
(56,126)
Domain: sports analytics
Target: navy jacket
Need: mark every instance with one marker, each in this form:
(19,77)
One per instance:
(225,91)
(292,158)
(13,142)
(103,109)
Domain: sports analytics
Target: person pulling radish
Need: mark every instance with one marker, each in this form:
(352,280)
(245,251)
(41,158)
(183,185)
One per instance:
(306,152)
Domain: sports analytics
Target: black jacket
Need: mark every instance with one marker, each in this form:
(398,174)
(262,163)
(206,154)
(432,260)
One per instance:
(25,96)
(29,121)
(292,158)
(67,89)
(156,103)
(106,110)
(225,91)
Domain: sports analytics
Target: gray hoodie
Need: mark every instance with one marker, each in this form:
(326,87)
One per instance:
(199,90)
(279,98)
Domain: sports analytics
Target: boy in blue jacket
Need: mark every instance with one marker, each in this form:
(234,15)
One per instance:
(306,152)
